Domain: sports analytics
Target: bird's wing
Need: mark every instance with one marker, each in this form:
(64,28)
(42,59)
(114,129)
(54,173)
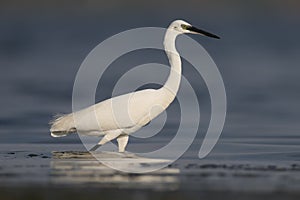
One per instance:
(122,112)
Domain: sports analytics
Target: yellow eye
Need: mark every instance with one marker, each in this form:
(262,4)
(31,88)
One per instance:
(183,26)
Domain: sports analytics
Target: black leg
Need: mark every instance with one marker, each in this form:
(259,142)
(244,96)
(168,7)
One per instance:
(95,147)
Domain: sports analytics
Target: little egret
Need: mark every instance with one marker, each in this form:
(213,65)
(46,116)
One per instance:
(118,117)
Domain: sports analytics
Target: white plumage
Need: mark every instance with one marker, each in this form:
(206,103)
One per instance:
(119,116)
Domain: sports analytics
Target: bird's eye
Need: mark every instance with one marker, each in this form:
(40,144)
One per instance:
(183,26)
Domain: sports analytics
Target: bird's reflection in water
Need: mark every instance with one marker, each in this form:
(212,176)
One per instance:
(73,167)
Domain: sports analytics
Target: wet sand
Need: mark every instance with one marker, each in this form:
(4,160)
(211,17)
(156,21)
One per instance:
(51,170)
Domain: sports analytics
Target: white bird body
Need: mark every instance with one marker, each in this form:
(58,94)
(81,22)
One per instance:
(110,117)
(119,116)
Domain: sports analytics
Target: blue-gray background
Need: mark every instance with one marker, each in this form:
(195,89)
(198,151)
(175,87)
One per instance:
(42,45)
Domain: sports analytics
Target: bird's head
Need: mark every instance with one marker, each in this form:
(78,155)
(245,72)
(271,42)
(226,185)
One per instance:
(184,27)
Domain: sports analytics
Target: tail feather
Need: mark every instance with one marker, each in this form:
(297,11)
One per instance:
(62,125)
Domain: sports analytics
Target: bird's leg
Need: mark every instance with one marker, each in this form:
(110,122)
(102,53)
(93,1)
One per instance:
(94,148)
(122,142)
(108,137)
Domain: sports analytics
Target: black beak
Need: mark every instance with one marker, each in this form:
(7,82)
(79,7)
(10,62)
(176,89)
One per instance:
(196,30)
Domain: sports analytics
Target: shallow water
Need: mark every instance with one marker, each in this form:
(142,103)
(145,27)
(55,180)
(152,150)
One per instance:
(264,170)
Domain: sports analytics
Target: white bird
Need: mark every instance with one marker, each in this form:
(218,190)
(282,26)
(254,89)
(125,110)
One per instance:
(118,117)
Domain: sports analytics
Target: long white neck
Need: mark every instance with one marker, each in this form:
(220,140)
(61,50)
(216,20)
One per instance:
(173,81)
